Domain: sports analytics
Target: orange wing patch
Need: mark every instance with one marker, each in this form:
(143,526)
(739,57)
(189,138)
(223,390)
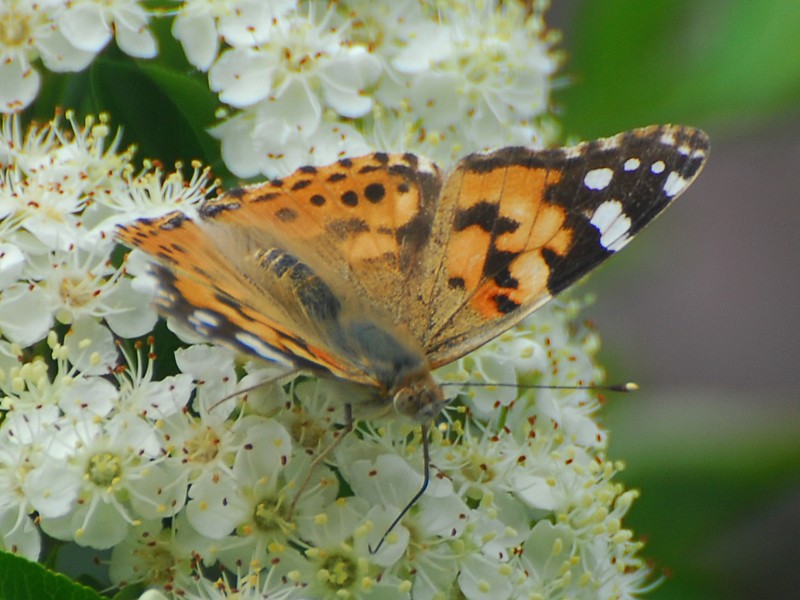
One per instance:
(502,225)
(363,221)
(498,227)
(198,286)
(360,206)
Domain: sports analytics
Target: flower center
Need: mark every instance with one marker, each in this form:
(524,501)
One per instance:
(104,469)
(203,447)
(268,516)
(338,571)
(478,470)
(74,292)
(14,29)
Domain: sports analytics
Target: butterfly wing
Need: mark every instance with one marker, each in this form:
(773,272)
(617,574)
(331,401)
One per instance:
(370,267)
(517,226)
(365,221)
(201,289)
(308,270)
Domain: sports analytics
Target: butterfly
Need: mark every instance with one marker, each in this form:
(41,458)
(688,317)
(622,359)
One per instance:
(378,269)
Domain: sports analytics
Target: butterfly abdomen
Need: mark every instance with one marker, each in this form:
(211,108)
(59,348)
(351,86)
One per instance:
(315,296)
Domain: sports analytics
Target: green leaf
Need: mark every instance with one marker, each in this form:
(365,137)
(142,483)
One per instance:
(165,112)
(21,579)
(712,63)
(707,465)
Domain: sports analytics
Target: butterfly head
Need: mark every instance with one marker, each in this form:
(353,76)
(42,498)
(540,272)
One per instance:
(418,396)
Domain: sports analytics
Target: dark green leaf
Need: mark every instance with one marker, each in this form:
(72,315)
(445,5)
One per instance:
(703,63)
(21,579)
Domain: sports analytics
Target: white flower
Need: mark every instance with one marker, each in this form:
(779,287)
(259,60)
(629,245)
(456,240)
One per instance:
(27,32)
(12,262)
(274,140)
(200,24)
(66,36)
(388,484)
(26,313)
(151,554)
(107,469)
(247,507)
(89,25)
(287,83)
(17,531)
(140,394)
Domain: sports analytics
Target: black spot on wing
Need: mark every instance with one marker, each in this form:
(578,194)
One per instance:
(301,184)
(505,304)
(456,283)
(266,196)
(375,192)
(349,198)
(174,222)
(210,210)
(486,216)
(412,236)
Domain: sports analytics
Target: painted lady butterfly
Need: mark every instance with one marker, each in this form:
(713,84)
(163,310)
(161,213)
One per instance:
(376,270)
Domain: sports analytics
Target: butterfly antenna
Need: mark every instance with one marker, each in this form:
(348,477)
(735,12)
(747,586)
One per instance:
(628,386)
(426,457)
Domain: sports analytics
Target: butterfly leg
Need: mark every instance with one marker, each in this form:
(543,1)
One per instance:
(426,458)
(341,434)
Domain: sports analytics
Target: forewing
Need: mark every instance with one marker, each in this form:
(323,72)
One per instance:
(366,220)
(201,288)
(310,270)
(517,226)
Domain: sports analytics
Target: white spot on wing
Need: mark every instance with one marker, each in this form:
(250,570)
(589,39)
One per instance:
(612,224)
(610,143)
(631,164)
(426,166)
(674,184)
(668,138)
(658,167)
(598,179)
(263,350)
(205,318)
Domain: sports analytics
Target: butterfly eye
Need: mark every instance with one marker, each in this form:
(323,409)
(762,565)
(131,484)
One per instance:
(420,398)
(404,402)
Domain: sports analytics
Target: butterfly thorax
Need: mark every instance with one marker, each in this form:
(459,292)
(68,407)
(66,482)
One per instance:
(418,396)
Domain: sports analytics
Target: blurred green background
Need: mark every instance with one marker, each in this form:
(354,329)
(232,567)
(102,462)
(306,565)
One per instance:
(703,312)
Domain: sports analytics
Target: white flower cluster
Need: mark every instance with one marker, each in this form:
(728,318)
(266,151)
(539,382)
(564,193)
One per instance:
(68,430)
(318,80)
(66,35)
(312,80)
(205,494)
(522,502)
